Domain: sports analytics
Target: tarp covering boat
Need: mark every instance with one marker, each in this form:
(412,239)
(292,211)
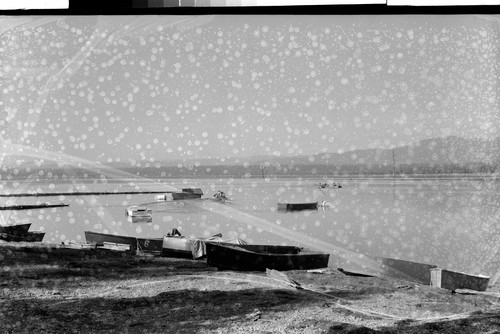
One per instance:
(408,270)
(186,247)
(199,248)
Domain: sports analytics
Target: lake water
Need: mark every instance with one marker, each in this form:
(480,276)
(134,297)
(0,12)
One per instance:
(447,222)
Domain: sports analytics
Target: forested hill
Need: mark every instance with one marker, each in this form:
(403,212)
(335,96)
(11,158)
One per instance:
(431,156)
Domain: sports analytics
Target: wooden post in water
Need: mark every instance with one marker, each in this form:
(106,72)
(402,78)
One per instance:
(393,166)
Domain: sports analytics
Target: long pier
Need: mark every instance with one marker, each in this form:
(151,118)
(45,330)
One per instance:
(32,206)
(79,193)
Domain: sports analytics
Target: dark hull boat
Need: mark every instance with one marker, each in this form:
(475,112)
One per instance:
(187,193)
(153,245)
(34,236)
(185,247)
(262,257)
(15,230)
(297,206)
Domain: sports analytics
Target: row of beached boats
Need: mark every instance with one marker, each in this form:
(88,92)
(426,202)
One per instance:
(238,255)
(233,254)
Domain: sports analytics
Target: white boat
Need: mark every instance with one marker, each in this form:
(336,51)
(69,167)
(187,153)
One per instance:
(136,210)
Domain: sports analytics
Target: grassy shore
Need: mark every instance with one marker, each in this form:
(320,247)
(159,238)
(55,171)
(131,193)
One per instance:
(44,291)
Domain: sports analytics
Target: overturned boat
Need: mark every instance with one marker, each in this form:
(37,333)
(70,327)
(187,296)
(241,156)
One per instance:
(452,280)
(179,246)
(30,236)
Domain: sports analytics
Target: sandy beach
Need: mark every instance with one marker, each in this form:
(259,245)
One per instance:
(44,291)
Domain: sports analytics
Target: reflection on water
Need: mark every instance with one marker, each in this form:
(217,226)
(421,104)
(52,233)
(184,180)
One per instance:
(447,222)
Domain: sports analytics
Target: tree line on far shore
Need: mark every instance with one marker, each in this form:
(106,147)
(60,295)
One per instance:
(252,171)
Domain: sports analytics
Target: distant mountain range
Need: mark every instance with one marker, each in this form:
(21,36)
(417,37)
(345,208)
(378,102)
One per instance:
(431,156)
(436,151)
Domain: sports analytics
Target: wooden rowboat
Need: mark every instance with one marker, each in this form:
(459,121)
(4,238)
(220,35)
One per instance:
(20,229)
(262,257)
(408,270)
(297,206)
(151,245)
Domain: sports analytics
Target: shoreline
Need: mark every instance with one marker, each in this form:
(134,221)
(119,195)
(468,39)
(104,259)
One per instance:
(147,294)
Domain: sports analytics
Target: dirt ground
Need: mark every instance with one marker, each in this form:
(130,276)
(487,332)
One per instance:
(46,292)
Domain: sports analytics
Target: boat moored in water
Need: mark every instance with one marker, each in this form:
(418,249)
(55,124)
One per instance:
(297,206)
(176,245)
(187,193)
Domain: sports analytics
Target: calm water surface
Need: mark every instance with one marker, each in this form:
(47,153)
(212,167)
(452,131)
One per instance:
(447,222)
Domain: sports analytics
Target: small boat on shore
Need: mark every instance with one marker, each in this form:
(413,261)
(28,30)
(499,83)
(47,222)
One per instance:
(151,245)
(32,206)
(297,206)
(138,211)
(34,236)
(452,280)
(226,256)
(176,245)
(187,193)
(408,270)
(15,230)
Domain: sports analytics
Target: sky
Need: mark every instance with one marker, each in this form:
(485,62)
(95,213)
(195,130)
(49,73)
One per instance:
(155,88)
